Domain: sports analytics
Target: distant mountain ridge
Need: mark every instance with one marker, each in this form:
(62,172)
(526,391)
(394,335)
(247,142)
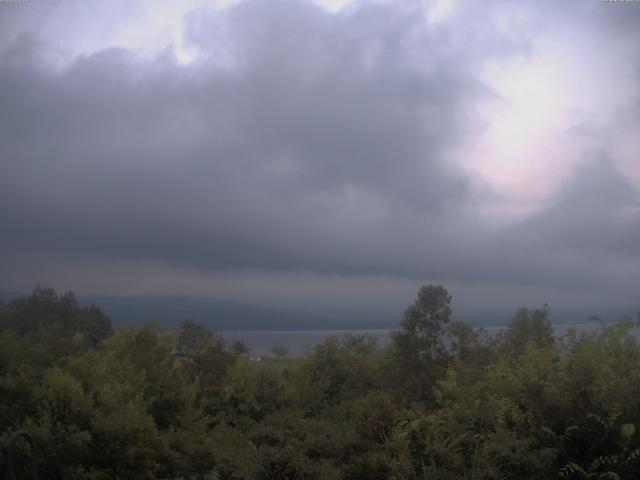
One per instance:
(171,310)
(7,296)
(225,315)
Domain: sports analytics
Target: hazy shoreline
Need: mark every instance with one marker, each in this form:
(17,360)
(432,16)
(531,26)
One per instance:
(298,341)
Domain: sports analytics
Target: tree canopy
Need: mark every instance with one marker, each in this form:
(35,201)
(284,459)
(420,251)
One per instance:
(443,400)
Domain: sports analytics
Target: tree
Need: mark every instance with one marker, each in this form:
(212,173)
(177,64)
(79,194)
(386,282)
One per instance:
(469,345)
(419,346)
(529,327)
(279,352)
(193,337)
(239,348)
(58,323)
(95,325)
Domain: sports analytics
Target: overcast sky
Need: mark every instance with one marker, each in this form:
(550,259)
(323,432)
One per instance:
(302,154)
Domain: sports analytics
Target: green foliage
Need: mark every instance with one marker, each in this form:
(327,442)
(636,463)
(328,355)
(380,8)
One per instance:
(193,337)
(280,352)
(419,346)
(423,325)
(337,370)
(443,401)
(528,327)
(47,316)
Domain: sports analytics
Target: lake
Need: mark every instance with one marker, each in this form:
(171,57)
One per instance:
(297,341)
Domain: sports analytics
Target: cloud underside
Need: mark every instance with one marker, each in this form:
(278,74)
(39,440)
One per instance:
(299,141)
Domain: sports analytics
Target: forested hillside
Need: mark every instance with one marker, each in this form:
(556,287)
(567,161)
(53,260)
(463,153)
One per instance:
(443,401)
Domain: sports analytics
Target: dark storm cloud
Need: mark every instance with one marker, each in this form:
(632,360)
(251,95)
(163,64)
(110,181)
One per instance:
(597,212)
(587,237)
(301,140)
(256,165)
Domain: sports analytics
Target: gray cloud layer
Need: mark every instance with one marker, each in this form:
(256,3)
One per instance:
(299,141)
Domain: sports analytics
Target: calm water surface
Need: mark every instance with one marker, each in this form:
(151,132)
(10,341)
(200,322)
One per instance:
(297,342)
